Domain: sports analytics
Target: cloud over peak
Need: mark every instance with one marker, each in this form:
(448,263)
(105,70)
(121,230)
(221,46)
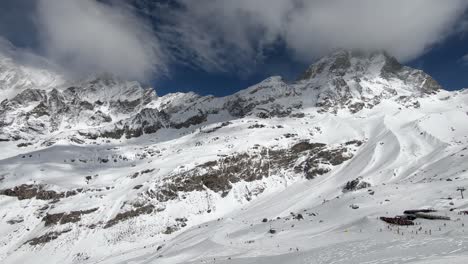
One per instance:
(142,39)
(222,32)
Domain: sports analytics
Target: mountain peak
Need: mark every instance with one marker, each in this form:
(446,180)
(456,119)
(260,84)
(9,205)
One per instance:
(375,67)
(342,62)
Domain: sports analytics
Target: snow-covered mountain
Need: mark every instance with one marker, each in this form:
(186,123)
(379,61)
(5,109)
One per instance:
(106,171)
(15,77)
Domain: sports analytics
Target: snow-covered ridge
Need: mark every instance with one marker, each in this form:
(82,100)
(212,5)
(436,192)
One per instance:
(15,78)
(105,171)
(104,106)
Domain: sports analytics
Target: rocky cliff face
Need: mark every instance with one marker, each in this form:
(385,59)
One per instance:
(34,113)
(356,80)
(109,108)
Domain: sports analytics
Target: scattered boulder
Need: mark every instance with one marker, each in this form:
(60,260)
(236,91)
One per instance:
(356,184)
(297,216)
(182,222)
(290,135)
(355,142)
(148,209)
(147,171)
(298,115)
(170,229)
(23,145)
(15,221)
(256,126)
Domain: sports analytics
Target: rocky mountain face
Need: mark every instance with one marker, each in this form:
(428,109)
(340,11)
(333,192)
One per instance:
(93,168)
(109,108)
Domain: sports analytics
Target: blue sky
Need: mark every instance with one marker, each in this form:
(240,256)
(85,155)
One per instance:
(443,62)
(185,79)
(221,46)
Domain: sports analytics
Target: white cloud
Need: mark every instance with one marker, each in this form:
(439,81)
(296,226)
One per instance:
(219,34)
(464,59)
(25,57)
(88,37)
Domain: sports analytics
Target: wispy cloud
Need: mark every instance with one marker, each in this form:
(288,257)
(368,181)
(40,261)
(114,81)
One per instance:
(92,36)
(87,36)
(220,34)
(25,57)
(464,59)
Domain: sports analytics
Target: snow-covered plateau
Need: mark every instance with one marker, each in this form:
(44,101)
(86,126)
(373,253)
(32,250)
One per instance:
(320,170)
